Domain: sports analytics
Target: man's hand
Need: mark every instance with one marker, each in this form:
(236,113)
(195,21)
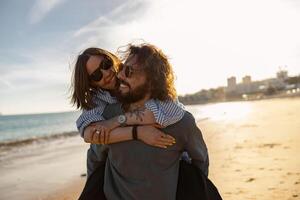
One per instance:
(154,137)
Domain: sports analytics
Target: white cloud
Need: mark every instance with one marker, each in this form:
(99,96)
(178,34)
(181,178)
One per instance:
(41,8)
(128,10)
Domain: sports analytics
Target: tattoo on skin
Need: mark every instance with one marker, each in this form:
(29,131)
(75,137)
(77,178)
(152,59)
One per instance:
(138,113)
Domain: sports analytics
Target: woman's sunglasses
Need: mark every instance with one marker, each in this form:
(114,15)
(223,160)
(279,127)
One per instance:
(106,64)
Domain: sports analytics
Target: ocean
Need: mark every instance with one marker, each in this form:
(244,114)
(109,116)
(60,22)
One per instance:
(22,127)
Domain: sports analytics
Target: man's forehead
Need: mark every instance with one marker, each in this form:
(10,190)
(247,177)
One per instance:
(132,60)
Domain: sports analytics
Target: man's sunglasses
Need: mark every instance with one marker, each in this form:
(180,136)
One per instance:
(128,70)
(105,64)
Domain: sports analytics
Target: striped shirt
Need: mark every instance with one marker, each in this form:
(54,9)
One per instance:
(165,112)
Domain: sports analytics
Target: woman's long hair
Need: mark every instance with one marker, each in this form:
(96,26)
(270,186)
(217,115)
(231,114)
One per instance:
(81,87)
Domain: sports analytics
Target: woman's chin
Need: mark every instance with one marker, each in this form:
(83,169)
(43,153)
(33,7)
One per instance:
(111,85)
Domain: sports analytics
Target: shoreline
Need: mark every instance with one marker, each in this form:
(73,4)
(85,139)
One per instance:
(10,146)
(30,140)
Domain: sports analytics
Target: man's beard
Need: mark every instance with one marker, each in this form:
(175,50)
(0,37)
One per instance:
(135,95)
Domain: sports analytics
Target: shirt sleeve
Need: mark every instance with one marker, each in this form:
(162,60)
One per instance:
(196,147)
(166,112)
(89,116)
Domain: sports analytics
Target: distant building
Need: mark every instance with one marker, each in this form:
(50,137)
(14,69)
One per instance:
(231,84)
(247,80)
(274,83)
(248,86)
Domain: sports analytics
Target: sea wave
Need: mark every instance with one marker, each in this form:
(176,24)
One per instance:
(36,139)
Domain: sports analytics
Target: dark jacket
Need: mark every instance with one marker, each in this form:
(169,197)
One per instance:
(194,185)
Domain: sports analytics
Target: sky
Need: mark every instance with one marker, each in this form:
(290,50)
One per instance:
(206,42)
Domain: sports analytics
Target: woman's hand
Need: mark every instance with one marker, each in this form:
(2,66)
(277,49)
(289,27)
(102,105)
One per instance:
(97,133)
(154,137)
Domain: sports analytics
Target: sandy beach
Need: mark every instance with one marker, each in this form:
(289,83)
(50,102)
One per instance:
(253,148)
(256,155)
(49,169)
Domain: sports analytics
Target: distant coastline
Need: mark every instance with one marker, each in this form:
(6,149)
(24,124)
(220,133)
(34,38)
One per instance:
(195,99)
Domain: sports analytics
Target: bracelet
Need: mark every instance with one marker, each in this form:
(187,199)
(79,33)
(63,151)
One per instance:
(134,132)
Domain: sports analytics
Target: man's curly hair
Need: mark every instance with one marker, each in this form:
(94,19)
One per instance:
(158,70)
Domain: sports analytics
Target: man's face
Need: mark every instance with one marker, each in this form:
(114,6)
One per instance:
(133,86)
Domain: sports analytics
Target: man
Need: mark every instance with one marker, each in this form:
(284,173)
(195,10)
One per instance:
(133,169)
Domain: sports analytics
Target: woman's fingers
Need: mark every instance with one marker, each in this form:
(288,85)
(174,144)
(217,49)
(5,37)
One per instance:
(163,142)
(166,139)
(102,136)
(168,136)
(106,132)
(161,146)
(88,134)
(96,136)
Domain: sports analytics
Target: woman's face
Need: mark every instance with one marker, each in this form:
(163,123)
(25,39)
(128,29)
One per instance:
(108,80)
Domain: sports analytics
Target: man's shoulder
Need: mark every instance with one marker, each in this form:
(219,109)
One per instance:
(112,110)
(186,121)
(187,118)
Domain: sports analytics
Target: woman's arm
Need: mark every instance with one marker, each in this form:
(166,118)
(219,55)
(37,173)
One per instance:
(148,134)
(161,113)
(88,117)
(166,112)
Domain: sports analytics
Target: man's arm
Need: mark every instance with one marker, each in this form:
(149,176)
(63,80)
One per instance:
(196,146)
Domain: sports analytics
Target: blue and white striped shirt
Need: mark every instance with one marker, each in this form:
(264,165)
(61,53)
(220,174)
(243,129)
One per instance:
(165,112)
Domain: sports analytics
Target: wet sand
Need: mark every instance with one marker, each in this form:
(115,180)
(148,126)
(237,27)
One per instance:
(253,149)
(49,169)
